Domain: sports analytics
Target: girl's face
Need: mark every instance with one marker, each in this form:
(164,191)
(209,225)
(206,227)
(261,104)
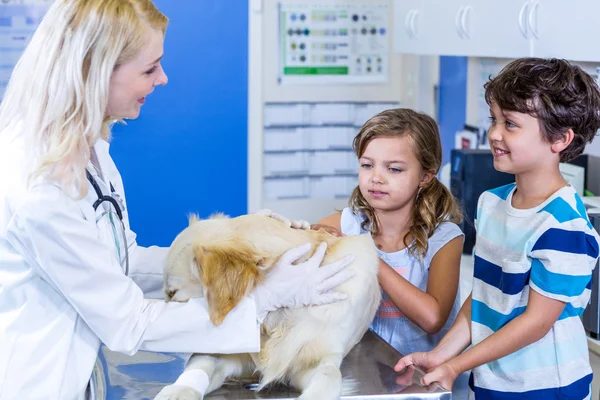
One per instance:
(390,175)
(131,82)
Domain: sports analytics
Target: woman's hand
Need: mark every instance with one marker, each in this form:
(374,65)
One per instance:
(291,223)
(304,284)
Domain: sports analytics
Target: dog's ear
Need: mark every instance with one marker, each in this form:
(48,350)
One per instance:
(192,219)
(228,270)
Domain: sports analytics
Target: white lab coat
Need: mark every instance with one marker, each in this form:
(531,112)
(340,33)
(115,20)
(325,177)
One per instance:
(62,292)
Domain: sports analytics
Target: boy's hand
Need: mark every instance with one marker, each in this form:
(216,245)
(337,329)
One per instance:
(437,371)
(329,229)
(444,375)
(425,361)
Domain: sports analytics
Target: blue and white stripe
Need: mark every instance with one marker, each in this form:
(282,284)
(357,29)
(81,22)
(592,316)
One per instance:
(551,249)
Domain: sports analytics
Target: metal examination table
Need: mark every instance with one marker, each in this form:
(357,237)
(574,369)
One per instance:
(369,368)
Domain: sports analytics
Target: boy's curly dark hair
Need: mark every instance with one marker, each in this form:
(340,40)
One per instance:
(558,94)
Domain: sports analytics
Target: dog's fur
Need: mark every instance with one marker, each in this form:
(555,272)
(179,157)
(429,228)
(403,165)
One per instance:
(223,259)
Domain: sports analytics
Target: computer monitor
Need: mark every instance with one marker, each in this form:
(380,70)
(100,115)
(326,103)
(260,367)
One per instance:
(472,173)
(574,175)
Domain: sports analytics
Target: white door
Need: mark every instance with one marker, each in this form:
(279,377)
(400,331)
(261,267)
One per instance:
(498,28)
(426,27)
(567,29)
(408,15)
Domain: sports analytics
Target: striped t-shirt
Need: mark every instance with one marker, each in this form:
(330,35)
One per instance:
(551,249)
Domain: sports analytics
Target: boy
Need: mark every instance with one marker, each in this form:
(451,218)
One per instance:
(535,250)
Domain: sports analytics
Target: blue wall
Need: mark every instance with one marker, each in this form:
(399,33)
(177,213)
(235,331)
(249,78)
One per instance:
(187,150)
(453,100)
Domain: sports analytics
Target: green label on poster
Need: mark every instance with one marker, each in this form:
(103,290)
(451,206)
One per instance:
(315,71)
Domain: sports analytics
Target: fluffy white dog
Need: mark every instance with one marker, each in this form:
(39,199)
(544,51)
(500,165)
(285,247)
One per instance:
(223,259)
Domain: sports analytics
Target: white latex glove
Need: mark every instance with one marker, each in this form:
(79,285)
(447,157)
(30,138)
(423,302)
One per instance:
(305,284)
(296,224)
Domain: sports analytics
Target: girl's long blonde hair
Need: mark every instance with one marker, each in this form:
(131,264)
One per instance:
(434,203)
(58,91)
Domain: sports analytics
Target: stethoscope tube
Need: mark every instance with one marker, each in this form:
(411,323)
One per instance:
(102,198)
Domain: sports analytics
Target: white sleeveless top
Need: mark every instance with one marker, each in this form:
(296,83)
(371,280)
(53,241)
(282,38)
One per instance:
(389,323)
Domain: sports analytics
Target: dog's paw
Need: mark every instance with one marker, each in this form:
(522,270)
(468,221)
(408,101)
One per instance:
(178,392)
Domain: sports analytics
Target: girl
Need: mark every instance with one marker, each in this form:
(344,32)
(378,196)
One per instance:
(411,217)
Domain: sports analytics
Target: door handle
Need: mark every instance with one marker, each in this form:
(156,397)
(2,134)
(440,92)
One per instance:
(457,22)
(521,19)
(407,22)
(464,19)
(532,14)
(413,25)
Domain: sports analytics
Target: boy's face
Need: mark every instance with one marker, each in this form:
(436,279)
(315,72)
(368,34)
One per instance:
(517,143)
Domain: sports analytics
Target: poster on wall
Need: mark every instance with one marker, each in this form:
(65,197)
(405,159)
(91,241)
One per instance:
(333,43)
(18,20)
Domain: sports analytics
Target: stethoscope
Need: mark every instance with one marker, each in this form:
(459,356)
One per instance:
(112,199)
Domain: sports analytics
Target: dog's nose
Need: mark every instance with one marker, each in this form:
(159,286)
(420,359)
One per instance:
(169,294)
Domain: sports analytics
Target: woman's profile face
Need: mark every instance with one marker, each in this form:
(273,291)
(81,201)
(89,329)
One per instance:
(132,82)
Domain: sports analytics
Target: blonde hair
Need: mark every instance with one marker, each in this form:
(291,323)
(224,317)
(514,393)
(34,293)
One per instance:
(58,91)
(434,203)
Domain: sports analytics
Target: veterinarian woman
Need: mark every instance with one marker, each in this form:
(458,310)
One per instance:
(65,242)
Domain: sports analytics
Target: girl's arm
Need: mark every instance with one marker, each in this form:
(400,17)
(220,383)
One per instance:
(330,224)
(430,309)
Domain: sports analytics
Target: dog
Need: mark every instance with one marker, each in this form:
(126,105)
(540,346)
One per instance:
(223,259)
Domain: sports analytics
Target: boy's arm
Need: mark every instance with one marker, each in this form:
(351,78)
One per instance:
(537,320)
(563,258)
(453,343)
(458,338)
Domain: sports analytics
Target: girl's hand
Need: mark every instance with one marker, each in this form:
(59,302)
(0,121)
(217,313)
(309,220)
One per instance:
(444,375)
(329,229)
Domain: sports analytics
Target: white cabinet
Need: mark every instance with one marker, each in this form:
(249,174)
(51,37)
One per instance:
(496,28)
(425,27)
(466,28)
(567,29)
